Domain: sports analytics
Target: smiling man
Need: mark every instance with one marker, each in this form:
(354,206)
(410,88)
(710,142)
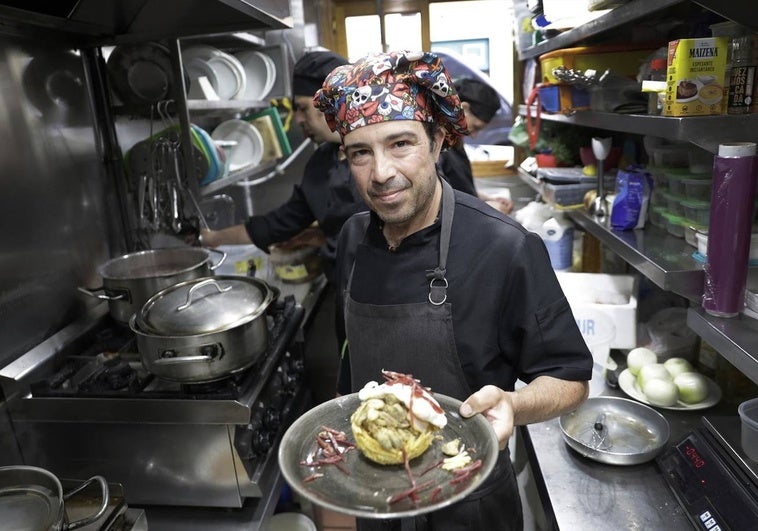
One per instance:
(437,284)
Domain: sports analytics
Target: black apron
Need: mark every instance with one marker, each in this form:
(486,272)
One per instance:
(391,337)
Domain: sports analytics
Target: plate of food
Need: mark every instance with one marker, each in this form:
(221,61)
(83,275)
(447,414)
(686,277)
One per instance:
(629,384)
(687,90)
(365,454)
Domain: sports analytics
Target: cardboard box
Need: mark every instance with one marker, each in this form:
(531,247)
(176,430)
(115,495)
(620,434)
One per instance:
(613,295)
(696,77)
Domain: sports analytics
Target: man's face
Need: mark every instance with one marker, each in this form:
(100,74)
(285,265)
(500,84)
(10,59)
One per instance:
(393,164)
(475,125)
(312,121)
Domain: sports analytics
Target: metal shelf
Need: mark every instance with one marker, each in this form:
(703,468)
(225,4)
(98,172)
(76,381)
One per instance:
(661,257)
(664,259)
(742,12)
(245,173)
(705,131)
(614,19)
(736,338)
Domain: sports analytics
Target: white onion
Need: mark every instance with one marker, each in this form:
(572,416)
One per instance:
(677,366)
(652,371)
(639,357)
(661,392)
(693,387)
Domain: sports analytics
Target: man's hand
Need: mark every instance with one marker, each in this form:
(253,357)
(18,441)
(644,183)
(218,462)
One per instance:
(497,407)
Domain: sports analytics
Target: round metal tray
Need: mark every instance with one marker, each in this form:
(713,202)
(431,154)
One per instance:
(616,431)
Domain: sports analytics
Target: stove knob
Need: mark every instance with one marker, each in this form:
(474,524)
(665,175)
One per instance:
(272,419)
(261,442)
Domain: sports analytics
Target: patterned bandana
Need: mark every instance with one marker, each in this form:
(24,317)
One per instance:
(392,86)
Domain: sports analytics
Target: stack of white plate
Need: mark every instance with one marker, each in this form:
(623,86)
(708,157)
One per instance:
(260,70)
(214,74)
(248,150)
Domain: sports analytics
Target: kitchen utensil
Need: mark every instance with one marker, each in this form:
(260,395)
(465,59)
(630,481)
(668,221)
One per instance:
(616,431)
(130,280)
(365,490)
(224,71)
(141,73)
(249,148)
(32,499)
(259,74)
(203,329)
(601,147)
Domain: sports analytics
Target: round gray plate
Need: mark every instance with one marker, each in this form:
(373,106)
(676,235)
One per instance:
(633,433)
(366,490)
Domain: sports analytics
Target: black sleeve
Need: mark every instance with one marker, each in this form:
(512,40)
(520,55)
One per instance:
(282,223)
(455,167)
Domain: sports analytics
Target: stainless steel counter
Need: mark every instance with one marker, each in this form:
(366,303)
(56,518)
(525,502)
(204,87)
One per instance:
(578,493)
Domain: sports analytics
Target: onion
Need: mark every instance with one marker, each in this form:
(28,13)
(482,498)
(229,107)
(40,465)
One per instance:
(677,366)
(639,357)
(661,392)
(693,387)
(652,371)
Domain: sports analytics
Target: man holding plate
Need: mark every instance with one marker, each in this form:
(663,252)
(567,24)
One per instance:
(437,284)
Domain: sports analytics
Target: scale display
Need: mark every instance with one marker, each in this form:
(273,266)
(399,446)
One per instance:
(715,494)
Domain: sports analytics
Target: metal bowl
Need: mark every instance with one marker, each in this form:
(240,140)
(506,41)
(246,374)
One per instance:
(616,431)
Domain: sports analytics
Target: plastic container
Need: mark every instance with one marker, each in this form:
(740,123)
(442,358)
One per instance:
(620,59)
(697,188)
(674,203)
(697,211)
(559,98)
(295,266)
(675,224)
(655,216)
(700,160)
(613,296)
(749,432)
(291,522)
(671,156)
(675,180)
(690,233)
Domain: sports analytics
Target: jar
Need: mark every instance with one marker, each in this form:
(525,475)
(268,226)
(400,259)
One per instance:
(741,75)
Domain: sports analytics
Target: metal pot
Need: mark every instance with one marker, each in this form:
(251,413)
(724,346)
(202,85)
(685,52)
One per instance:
(130,280)
(203,329)
(32,499)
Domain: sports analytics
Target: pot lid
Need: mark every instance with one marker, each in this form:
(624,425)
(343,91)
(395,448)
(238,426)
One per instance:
(205,305)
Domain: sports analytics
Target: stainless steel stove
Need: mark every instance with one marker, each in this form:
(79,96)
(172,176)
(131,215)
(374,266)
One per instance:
(81,404)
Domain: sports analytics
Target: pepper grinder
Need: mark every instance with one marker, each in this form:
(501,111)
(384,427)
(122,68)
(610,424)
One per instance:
(601,147)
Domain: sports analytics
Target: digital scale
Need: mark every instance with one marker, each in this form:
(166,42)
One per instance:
(712,478)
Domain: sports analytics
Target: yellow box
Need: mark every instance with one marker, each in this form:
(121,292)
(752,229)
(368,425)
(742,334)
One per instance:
(619,59)
(696,77)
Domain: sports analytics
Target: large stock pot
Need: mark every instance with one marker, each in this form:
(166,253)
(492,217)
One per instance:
(204,329)
(130,280)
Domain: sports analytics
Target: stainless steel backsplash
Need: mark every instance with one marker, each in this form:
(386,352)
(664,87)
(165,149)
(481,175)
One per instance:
(52,209)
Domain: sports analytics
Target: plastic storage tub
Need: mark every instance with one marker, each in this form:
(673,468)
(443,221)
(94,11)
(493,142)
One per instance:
(697,188)
(619,59)
(697,211)
(558,98)
(674,224)
(749,434)
(614,296)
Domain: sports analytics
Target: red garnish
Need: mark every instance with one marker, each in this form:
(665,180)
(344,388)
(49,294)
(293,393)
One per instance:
(331,447)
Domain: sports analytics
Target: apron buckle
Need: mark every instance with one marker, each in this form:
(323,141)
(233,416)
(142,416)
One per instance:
(438,292)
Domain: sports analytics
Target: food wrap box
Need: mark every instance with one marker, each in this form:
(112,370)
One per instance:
(696,77)
(612,295)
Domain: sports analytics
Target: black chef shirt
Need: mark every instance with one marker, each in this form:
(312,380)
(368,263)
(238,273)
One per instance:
(510,318)
(326,194)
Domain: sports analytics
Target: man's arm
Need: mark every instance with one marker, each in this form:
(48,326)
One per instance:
(544,398)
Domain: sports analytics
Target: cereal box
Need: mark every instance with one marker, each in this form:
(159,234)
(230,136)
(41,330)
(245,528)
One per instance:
(696,77)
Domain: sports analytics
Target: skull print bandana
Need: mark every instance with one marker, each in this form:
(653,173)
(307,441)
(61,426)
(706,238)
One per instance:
(392,86)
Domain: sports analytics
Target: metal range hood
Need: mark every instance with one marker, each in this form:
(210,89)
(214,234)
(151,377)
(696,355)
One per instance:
(113,21)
